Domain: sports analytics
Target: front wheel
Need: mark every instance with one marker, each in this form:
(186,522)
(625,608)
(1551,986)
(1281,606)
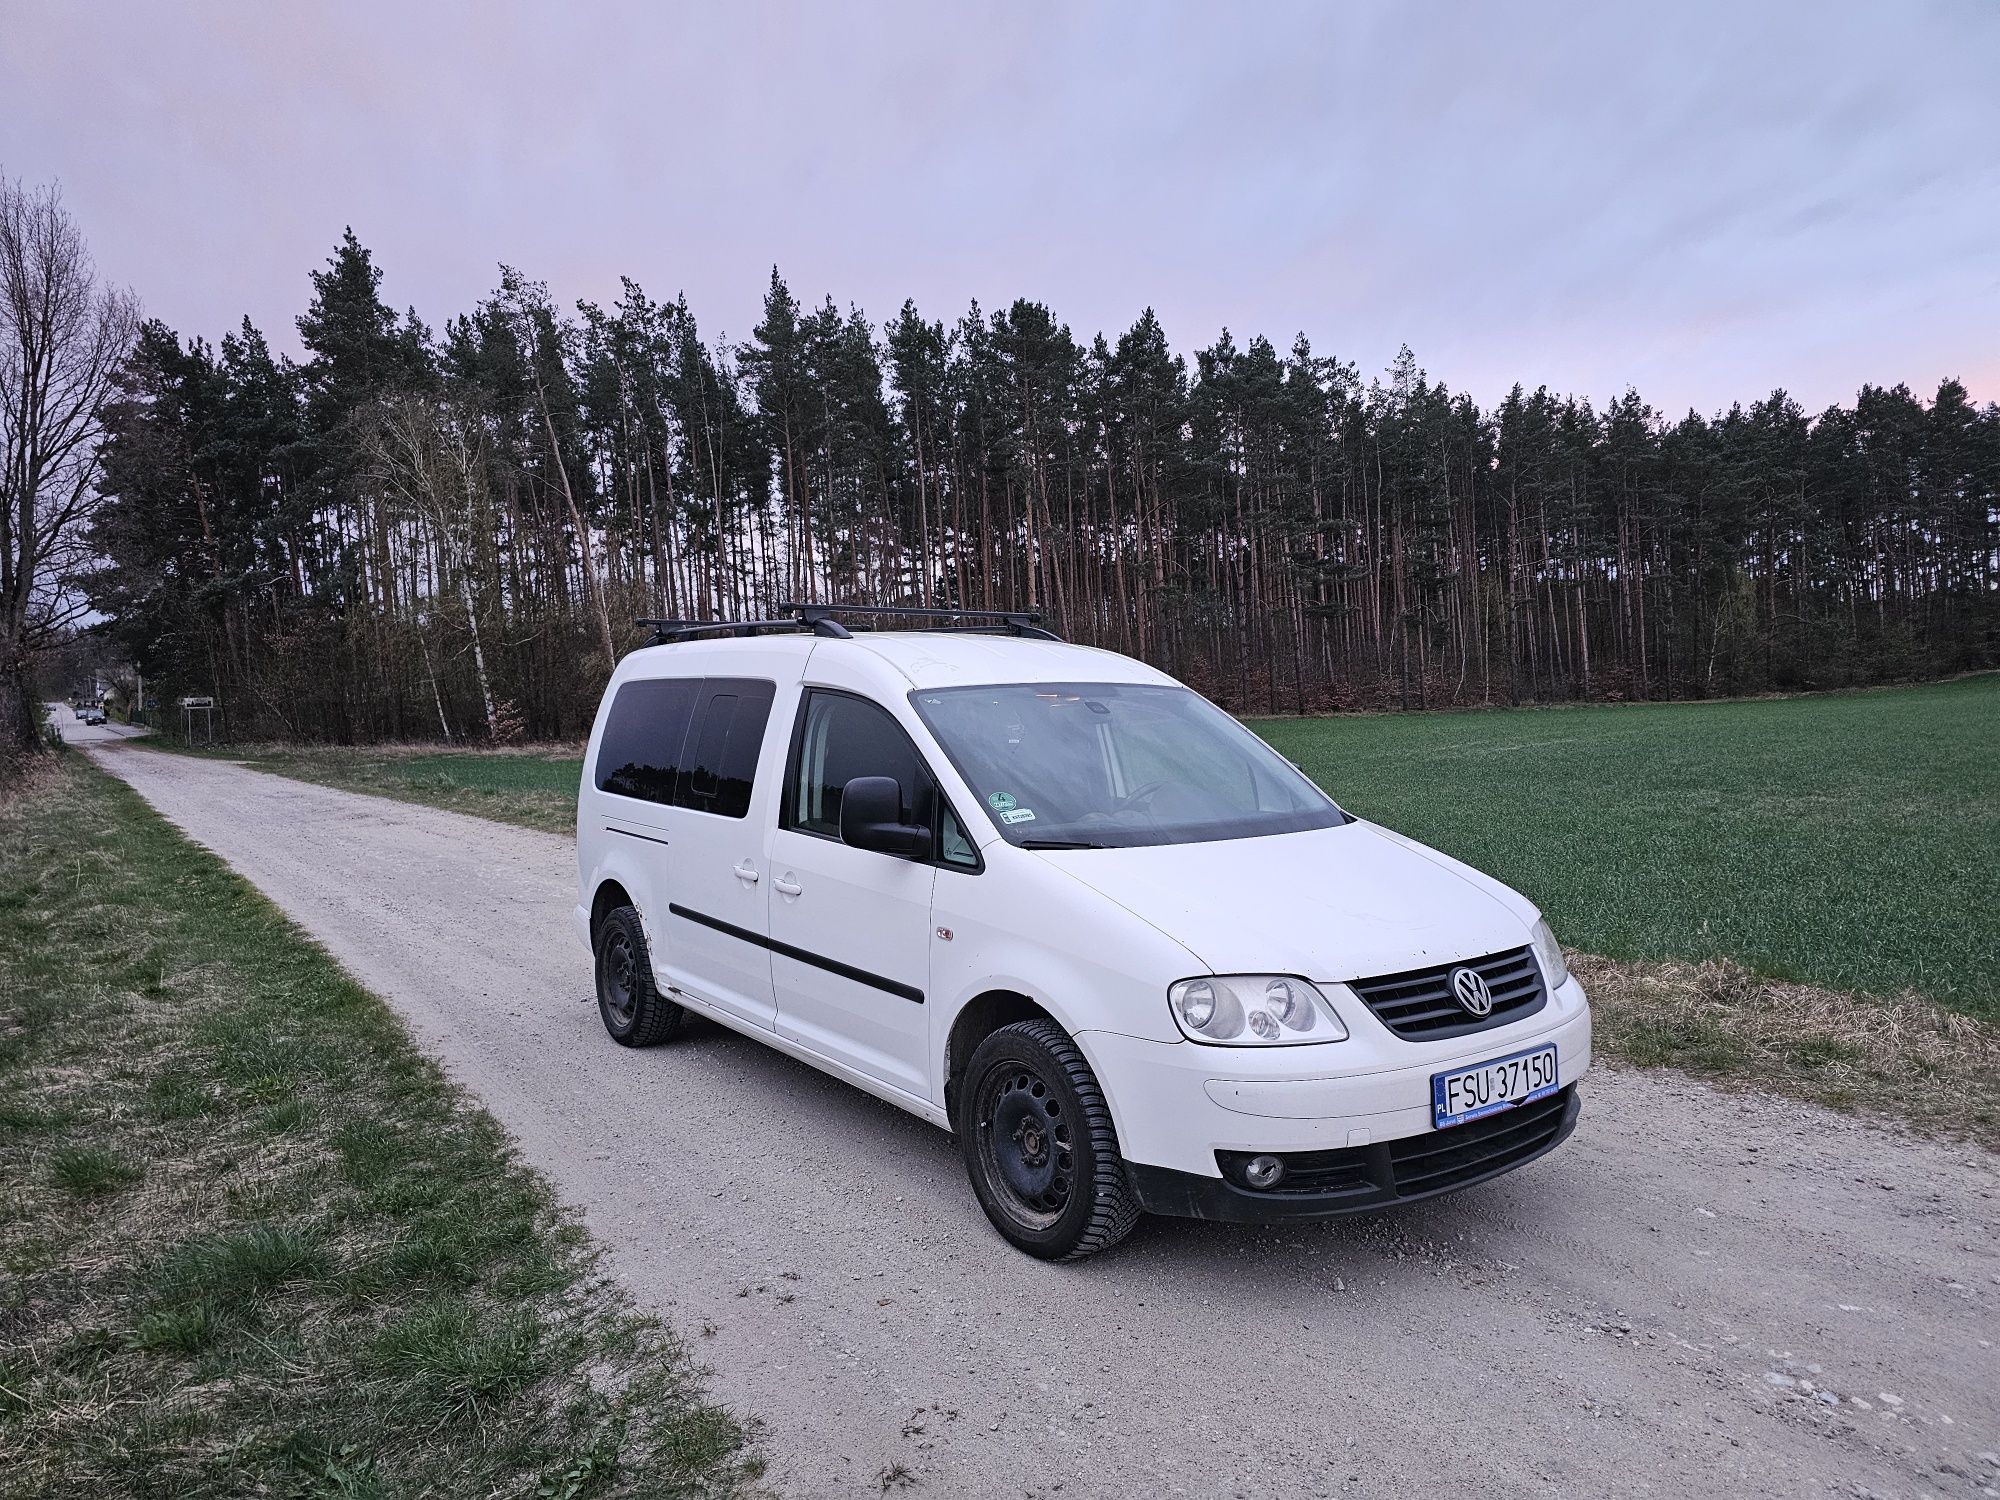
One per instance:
(634,1011)
(1039,1145)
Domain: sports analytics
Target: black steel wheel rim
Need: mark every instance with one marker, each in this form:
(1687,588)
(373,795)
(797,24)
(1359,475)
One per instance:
(618,980)
(1025,1144)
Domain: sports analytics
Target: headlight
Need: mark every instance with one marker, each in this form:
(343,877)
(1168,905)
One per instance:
(1550,954)
(1253,1010)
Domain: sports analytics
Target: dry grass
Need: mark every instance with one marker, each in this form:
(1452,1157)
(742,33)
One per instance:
(22,774)
(1900,1056)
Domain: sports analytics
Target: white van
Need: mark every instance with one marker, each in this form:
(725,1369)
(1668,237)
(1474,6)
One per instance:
(1054,901)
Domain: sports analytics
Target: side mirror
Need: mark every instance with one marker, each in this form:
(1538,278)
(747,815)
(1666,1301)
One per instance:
(871,817)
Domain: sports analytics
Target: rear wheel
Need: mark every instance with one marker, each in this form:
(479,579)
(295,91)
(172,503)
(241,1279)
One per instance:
(1039,1145)
(634,1011)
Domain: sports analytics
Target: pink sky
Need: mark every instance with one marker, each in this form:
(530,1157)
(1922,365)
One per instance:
(1702,200)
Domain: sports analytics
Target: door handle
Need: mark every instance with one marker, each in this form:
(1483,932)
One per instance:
(784,885)
(747,873)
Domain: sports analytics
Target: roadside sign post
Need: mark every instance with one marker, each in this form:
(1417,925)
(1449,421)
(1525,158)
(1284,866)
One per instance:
(206,708)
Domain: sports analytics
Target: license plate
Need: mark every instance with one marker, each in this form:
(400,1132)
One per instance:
(1489,1087)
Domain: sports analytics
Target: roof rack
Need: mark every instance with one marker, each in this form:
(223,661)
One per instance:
(999,621)
(666,632)
(818,619)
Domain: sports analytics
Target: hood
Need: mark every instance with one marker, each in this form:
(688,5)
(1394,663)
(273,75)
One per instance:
(1329,904)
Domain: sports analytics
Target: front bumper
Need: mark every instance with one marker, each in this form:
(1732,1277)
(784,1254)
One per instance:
(1176,1104)
(1328,1184)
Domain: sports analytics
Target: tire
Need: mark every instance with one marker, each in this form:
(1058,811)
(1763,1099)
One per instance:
(634,1011)
(1039,1145)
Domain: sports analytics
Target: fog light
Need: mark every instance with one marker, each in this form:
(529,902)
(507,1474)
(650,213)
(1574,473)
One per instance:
(1263,1171)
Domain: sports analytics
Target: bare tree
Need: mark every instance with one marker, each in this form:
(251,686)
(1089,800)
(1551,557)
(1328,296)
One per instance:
(430,456)
(62,338)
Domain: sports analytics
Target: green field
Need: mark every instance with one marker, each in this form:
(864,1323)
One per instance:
(1849,840)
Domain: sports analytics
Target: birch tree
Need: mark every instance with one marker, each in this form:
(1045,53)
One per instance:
(62,338)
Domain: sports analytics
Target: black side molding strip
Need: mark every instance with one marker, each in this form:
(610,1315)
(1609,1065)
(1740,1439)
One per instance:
(786,950)
(631,835)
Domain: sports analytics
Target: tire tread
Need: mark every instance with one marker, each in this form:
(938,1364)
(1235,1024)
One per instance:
(655,1018)
(1114,1206)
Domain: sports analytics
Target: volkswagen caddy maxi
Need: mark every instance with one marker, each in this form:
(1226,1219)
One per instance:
(1054,901)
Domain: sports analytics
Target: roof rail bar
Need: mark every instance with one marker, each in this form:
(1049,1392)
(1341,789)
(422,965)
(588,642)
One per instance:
(666,632)
(1019,622)
(819,620)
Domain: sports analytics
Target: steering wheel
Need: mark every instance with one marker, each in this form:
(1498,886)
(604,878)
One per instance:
(1138,796)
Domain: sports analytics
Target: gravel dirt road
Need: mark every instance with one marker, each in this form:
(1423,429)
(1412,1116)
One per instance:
(1703,1293)
(75,732)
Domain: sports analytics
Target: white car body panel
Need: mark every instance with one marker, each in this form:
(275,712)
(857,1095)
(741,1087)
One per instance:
(874,912)
(1329,903)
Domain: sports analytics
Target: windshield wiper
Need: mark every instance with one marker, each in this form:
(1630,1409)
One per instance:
(1061,844)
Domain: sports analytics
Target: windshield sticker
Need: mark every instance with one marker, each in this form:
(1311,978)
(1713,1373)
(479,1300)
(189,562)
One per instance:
(1018,815)
(1001,802)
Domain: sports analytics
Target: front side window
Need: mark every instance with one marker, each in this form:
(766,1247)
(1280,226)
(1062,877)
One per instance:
(841,738)
(1115,765)
(639,752)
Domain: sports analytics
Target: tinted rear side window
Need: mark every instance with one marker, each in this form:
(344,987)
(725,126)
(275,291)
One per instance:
(720,766)
(640,752)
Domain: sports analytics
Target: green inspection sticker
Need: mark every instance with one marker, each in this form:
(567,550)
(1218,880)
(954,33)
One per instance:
(1001,801)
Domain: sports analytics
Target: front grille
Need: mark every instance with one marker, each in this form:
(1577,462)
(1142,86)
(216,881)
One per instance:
(1418,1004)
(1415,1166)
(1458,1154)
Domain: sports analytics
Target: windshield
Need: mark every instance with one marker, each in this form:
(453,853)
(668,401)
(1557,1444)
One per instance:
(1113,765)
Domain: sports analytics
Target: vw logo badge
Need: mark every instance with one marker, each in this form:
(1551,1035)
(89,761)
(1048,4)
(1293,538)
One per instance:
(1470,990)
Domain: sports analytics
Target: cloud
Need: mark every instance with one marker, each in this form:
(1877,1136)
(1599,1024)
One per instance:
(1704,200)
